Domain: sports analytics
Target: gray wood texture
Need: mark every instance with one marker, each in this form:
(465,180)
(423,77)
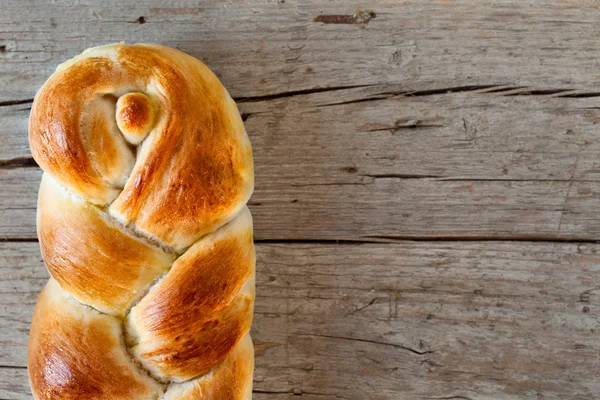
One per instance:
(481,320)
(427,186)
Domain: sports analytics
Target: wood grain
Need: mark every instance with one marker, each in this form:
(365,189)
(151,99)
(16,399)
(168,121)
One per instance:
(380,151)
(266,47)
(471,164)
(438,121)
(482,320)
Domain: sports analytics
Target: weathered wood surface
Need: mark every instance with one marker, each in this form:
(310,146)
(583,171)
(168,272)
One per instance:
(263,47)
(482,320)
(435,121)
(468,164)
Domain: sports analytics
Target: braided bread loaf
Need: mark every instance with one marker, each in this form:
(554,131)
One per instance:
(144,230)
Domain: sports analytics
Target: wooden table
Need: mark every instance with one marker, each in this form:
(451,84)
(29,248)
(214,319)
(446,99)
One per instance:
(427,207)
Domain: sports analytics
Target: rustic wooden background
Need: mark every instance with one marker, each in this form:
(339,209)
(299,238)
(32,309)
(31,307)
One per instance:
(427,207)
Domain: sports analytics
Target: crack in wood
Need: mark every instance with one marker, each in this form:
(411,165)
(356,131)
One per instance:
(369,304)
(542,92)
(400,176)
(451,179)
(581,95)
(327,184)
(483,89)
(12,367)
(317,241)
(15,102)
(395,345)
(359,17)
(481,238)
(456,89)
(263,391)
(296,392)
(403,124)
(140,20)
(373,98)
(449,398)
(281,95)
(19,162)
(440,178)
(18,239)
(419,93)
(503,90)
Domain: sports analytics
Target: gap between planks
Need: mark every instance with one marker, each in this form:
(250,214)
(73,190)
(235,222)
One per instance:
(381,239)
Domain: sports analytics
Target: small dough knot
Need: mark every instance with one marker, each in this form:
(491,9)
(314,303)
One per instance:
(135,116)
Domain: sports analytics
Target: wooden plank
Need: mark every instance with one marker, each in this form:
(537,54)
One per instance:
(484,320)
(374,132)
(384,208)
(475,165)
(18,202)
(23,277)
(315,153)
(14,143)
(14,384)
(382,154)
(261,48)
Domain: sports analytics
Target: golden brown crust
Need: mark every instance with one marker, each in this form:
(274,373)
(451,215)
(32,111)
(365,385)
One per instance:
(229,380)
(193,172)
(77,353)
(94,260)
(196,174)
(144,156)
(109,155)
(135,115)
(184,335)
